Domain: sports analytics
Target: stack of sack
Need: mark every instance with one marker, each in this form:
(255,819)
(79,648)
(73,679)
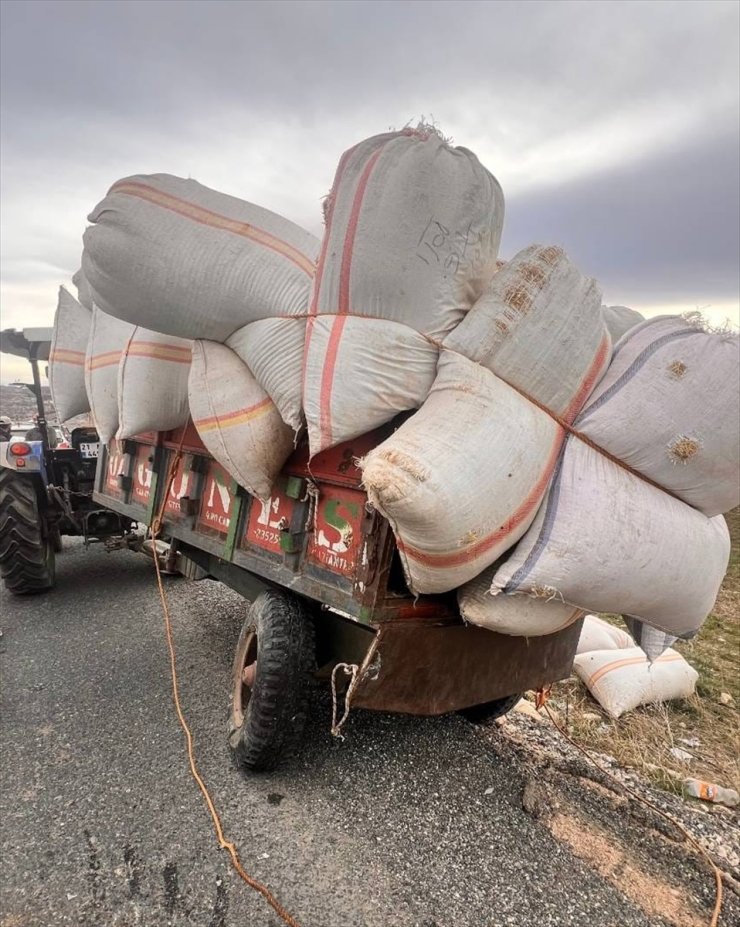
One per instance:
(619,675)
(562,456)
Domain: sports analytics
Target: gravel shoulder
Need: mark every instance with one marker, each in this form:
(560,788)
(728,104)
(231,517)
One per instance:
(407,823)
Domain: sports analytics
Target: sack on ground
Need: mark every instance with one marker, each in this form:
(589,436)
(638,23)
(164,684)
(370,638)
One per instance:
(235,418)
(67,357)
(174,256)
(620,680)
(108,338)
(598,634)
(153,383)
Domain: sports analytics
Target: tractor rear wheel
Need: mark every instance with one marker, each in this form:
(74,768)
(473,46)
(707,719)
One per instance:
(489,711)
(26,548)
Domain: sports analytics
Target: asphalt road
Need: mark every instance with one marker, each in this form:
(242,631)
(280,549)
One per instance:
(408,822)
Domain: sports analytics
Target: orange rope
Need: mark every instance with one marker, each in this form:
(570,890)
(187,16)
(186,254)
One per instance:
(223,843)
(636,795)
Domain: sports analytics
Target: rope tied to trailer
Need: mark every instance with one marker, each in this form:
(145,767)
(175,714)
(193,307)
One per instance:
(541,699)
(224,844)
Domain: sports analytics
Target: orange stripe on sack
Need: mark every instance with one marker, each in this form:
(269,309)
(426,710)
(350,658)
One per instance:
(351,233)
(531,501)
(589,381)
(215,220)
(343,308)
(103,360)
(171,353)
(327,379)
(313,308)
(64,356)
(628,661)
(240,417)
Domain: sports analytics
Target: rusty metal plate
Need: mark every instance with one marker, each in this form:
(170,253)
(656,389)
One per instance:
(430,670)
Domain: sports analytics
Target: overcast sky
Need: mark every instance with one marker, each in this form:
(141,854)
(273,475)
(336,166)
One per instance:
(612,127)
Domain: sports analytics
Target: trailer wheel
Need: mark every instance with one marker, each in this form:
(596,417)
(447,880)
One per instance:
(274,659)
(489,711)
(26,551)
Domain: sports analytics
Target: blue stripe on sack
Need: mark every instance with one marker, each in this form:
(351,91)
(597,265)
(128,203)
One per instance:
(635,330)
(634,368)
(547,525)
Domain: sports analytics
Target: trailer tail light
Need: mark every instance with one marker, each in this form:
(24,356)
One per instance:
(20,463)
(20,449)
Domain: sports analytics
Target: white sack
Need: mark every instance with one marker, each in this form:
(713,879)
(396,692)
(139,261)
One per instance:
(412,234)
(620,319)
(669,407)
(84,293)
(108,337)
(516,615)
(176,257)
(598,634)
(360,373)
(153,383)
(236,419)
(620,680)
(67,357)
(461,480)
(273,350)
(609,542)
(538,326)
(434,477)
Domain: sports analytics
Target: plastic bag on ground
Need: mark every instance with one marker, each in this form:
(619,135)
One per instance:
(236,419)
(153,383)
(72,324)
(620,680)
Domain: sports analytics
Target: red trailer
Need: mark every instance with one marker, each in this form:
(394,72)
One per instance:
(324,578)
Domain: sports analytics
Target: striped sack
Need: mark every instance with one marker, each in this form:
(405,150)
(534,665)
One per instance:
(67,357)
(236,419)
(153,383)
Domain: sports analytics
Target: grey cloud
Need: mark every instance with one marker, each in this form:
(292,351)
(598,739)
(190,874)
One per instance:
(663,229)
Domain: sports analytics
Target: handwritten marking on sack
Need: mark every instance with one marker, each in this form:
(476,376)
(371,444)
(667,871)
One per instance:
(452,250)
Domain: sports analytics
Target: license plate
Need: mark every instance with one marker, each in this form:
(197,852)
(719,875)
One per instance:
(89,450)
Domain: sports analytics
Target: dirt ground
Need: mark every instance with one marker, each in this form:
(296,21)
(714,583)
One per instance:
(707,726)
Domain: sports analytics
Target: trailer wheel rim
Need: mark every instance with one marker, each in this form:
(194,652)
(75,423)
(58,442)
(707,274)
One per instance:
(245,672)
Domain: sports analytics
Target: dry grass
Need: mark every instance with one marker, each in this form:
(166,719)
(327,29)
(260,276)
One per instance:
(644,738)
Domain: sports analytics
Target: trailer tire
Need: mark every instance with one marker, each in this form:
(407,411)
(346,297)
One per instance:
(26,550)
(489,711)
(275,657)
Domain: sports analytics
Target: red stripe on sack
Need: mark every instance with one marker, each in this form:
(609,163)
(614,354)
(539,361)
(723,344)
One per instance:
(327,378)
(351,233)
(531,501)
(327,375)
(227,417)
(208,217)
(589,381)
(313,308)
